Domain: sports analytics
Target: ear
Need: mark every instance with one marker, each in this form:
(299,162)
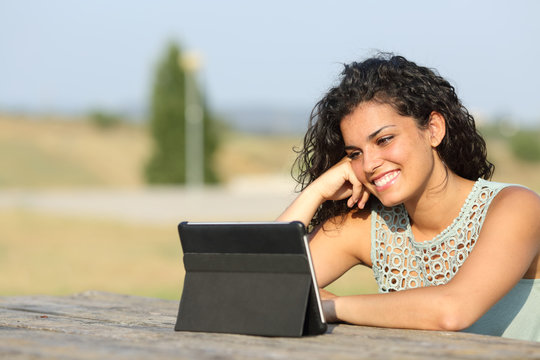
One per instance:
(437,128)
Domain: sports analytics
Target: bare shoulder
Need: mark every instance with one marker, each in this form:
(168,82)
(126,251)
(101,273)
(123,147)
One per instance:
(517,200)
(513,215)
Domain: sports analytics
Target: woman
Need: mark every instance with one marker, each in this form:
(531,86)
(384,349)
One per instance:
(394,176)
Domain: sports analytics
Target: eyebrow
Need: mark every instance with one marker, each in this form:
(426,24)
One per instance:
(373,134)
(370,137)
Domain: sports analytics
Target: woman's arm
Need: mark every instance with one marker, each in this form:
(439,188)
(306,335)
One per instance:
(507,245)
(338,183)
(337,245)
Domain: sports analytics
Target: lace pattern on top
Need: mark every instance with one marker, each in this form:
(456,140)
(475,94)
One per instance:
(399,262)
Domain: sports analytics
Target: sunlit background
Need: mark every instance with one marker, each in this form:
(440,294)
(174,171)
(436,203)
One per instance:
(78,82)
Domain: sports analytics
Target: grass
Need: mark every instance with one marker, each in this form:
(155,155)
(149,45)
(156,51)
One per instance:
(50,254)
(44,153)
(250,154)
(45,254)
(56,152)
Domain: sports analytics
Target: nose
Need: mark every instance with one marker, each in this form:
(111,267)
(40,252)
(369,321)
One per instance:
(372,161)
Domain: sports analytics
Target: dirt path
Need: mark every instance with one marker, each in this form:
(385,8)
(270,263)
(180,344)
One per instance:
(247,199)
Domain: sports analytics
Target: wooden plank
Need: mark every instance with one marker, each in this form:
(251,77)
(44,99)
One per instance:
(95,325)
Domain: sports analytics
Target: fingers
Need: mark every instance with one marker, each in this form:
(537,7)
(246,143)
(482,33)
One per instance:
(359,193)
(340,182)
(364,197)
(357,188)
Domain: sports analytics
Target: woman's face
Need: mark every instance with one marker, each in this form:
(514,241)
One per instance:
(391,156)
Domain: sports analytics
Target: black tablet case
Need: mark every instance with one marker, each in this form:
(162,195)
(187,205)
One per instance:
(247,278)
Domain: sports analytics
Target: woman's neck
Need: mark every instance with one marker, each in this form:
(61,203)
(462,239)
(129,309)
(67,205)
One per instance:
(438,205)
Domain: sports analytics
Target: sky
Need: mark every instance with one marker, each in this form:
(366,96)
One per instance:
(65,55)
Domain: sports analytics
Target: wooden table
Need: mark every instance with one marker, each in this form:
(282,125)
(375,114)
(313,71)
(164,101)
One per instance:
(96,325)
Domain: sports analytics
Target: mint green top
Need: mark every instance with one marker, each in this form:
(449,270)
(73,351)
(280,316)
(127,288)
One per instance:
(400,262)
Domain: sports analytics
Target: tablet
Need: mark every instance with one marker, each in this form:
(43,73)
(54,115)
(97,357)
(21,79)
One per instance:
(253,278)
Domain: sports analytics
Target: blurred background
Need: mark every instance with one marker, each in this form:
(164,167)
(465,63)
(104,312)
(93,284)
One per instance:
(120,119)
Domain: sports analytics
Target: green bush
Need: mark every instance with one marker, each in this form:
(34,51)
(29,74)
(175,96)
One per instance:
(104,120)
(526,145)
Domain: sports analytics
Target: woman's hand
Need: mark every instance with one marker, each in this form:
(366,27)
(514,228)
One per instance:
(328,306)
(339,182)
(326,295)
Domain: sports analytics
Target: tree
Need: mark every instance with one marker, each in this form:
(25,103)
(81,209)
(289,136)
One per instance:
(167,164)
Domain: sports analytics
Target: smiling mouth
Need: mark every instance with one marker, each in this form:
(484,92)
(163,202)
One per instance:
(387,179)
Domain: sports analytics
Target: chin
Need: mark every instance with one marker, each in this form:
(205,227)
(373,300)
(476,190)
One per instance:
(390,196)
(389,202)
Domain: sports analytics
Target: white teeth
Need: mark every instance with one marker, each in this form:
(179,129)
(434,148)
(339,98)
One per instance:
(386,178)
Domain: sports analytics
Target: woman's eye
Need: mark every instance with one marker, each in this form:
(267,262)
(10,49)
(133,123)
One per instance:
(353,155)
(384,140)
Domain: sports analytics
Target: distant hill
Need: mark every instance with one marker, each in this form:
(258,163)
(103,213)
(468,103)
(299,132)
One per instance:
(266,120)
(250,119)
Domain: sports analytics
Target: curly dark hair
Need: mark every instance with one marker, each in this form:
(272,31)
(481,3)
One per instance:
(412,90)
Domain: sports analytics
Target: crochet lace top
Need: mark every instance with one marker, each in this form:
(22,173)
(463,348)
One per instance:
(400,262)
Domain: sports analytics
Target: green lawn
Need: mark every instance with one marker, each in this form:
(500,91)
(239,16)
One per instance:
(46,254)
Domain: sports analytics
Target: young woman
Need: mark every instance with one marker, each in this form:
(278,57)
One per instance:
(394,176)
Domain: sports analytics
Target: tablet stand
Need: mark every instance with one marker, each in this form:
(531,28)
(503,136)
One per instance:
(256,294)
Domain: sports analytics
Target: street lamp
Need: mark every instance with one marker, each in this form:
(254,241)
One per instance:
(191,63)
